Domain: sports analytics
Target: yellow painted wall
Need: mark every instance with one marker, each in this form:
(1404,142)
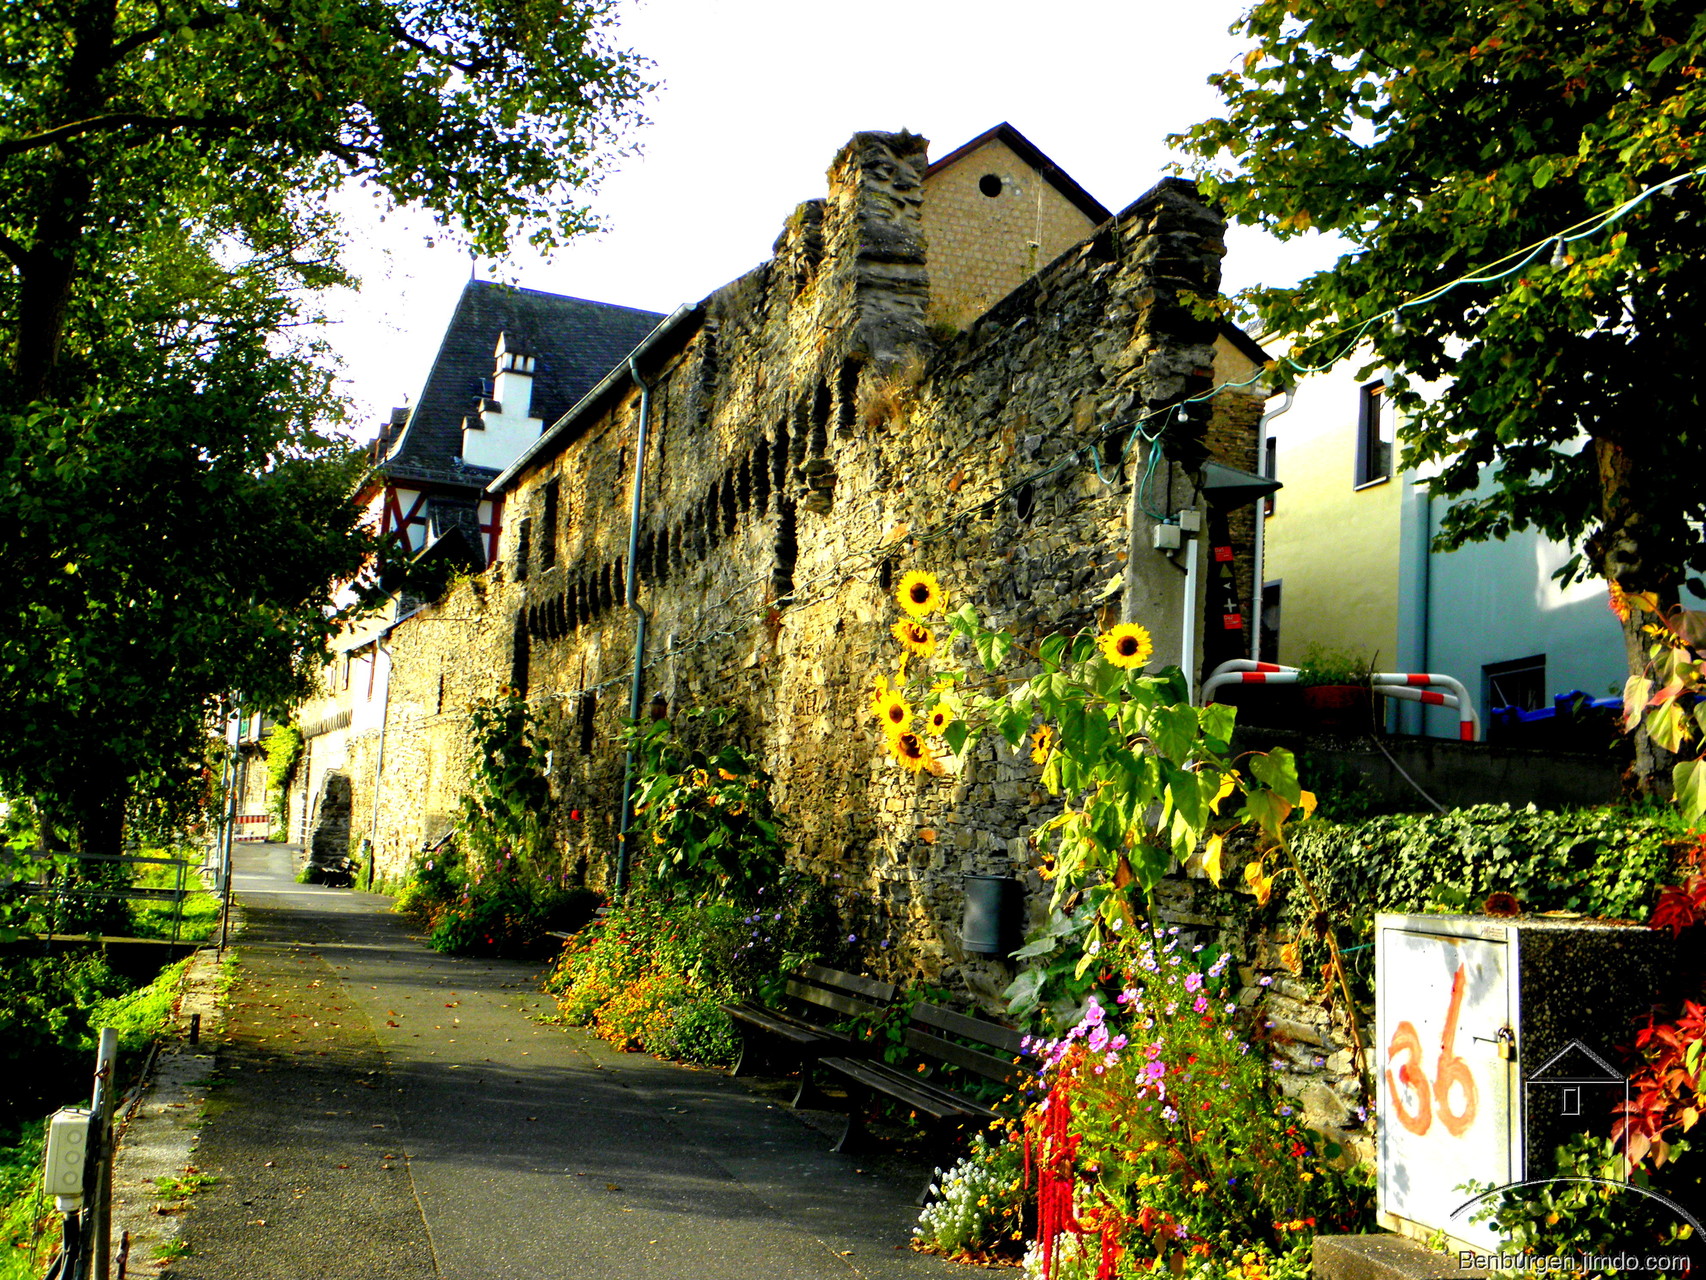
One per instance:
(980,246)
(1333,546)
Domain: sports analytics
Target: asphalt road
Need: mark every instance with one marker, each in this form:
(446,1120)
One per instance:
(384,1111)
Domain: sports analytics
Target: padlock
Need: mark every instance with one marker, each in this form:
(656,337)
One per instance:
(1507,1044)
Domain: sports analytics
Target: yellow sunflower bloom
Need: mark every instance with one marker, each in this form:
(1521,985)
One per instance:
(1127,645)
(894,711)
(910,751)
(915,636)
(941,716)
(920,594)
(1042,742)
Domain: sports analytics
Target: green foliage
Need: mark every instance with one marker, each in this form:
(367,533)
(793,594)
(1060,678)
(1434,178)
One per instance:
(50,1012)
(507,911)
(284,751)
(1593,1212)
(708,829)
(1163,1130)
(652,971)
(1440,138)
(1606,863)
(1323,665)
(1143,773)
(133,121)
(504,810)
(180,504)
(1667,700)
(199,914)
(185,1185)
(45,1020)
(29,1226)
(1599,862)
(977,1209)
(140,1015)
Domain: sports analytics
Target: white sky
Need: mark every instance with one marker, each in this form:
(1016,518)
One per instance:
(758,95)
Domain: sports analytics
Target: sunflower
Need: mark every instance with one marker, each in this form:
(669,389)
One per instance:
(915,636)
(1042,742)
(893,710)
(1127,645)
(920,594)
(941,716)
(909,749)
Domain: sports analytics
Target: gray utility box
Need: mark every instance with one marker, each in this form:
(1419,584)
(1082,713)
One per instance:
(1494,1043)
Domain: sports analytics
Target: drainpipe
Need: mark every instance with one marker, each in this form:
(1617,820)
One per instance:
(1190,526)
(379,762)
(1260,551)
(631,592)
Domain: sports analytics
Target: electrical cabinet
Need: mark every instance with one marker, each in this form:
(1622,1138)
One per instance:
(1494,1042)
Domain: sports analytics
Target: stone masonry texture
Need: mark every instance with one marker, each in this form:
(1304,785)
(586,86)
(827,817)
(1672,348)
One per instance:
(812,439)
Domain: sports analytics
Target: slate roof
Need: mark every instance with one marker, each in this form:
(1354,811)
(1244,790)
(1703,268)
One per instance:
(576,343)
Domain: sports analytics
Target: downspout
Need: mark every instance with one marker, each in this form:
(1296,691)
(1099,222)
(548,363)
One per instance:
(1193,574)
(1260,551)
(631,593)
(1424,596)
(379,761)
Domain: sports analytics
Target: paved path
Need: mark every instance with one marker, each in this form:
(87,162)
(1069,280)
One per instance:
(384,1111)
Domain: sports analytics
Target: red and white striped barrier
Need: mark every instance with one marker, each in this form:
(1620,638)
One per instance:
(1408,686)
(247,824)
(1413,686)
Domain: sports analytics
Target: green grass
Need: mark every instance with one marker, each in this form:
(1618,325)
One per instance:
(29,1227)
(139,1016)
(181,1188)
(200,908)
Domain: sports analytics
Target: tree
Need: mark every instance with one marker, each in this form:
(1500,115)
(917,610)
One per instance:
(179,507)
(174,534)
(120,116)
(1438,138)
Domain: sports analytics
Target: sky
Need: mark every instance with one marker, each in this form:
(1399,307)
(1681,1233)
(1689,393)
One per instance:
(755,99)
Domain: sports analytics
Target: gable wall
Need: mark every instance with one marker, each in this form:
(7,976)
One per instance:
(983,247)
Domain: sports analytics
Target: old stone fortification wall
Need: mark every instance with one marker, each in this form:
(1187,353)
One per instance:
(810,443)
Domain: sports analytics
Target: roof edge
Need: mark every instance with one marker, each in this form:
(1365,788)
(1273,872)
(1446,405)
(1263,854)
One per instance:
(1033,155)
(1244,342)
(620,374)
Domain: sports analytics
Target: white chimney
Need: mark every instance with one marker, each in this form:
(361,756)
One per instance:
(505,424)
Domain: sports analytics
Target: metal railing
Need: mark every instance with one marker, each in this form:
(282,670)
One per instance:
(64,889)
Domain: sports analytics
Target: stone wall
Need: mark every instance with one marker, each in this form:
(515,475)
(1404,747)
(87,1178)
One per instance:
(810,442)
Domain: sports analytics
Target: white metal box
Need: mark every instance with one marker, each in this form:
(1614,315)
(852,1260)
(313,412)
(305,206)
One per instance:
(1471,1011)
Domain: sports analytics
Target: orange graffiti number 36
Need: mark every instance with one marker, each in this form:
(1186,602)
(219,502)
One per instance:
(1449,1071)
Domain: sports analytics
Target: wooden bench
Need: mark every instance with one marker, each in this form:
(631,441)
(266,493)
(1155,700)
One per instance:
(935,1035)
(795,1037)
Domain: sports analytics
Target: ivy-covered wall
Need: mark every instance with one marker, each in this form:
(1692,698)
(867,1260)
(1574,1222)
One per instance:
(1601,864)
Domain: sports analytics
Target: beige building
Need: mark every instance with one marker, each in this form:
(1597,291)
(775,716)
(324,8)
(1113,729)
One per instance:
(996,211)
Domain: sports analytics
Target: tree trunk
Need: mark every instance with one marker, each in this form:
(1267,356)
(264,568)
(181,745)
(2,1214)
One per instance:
(97,816)
(50,258)
(1621,552)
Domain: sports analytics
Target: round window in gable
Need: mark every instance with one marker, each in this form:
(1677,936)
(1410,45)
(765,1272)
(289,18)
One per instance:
(990,184)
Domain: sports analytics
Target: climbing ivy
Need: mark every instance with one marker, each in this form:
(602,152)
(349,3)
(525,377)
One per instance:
(1606,863)
(504,812)
(284,752)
